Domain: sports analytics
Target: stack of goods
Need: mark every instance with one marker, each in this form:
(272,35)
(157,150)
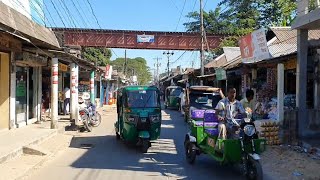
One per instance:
(270,131)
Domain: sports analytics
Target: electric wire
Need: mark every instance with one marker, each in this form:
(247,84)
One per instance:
(54,6)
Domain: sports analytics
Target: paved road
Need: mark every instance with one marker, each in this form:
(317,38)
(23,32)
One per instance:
(112,159)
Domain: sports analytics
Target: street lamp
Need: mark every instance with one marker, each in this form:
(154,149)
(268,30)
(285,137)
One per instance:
(168,56)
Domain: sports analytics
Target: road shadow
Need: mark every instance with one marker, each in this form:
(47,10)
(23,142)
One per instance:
(166,157)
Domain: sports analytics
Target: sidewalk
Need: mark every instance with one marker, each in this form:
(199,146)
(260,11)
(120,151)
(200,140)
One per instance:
(13,141)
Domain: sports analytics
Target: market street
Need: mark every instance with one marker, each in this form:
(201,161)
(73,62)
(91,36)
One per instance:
(108,158)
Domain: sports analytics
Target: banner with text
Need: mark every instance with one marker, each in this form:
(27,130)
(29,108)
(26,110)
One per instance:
(254,47)
(108,72)
(145,38)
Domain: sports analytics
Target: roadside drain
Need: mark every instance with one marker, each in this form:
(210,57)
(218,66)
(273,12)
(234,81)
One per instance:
(86,146)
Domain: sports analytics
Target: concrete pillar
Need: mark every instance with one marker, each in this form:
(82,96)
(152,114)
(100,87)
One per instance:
(254,78)
(301,87)
(54,93)
(92,98)
(280,92)
(74,106)
(101,92)
(12,114)
(35,92)
(39,96)
(317,81)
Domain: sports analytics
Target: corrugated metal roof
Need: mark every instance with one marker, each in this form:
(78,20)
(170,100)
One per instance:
(231,53)
(219,61)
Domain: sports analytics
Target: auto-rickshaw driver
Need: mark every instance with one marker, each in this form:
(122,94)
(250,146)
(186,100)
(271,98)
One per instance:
(228,109)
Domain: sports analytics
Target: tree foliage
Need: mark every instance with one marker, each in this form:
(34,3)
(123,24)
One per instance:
(240,17)
(100,55)
(137,66)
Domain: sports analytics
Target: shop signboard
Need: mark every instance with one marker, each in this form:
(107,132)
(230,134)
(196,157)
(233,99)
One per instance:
(108,72)
(21,89)
(221,74)
(63,67)
(145,38)
(254,47)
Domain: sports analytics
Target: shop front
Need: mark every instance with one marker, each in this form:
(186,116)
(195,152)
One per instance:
(28,85)
(4,90)
(8,46)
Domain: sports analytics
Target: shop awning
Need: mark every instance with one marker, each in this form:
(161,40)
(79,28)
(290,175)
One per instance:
(19,25)
(182,80)
(71,58)
(208,75)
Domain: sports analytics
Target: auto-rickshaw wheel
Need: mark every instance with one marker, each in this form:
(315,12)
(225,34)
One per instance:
(145,146)
(191,152)
(254,171)
(117,136)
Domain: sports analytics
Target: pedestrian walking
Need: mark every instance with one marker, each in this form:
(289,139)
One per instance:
(66,107)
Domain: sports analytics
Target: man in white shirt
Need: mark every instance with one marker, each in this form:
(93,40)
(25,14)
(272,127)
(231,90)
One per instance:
(66,108)
(228,109)
(182,101)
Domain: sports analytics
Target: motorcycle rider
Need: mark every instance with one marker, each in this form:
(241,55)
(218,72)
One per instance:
(228,109)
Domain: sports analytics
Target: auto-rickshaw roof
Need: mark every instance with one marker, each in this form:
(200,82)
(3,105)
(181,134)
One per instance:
(136,88)
(174,87)
(204,88)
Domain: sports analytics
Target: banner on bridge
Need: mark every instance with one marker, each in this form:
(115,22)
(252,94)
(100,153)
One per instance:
(145,38)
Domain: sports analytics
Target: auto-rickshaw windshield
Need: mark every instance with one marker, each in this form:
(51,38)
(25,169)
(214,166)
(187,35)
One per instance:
(175,92)
(142,99)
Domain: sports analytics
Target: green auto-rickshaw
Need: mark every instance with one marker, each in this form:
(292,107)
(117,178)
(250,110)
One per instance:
(172,99)
(139,115)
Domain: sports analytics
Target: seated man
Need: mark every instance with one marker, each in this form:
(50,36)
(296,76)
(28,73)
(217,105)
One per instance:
(228,109)
(248,102)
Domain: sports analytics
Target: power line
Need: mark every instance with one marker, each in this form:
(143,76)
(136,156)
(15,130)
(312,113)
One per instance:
(82,18)
(205,4)
(54,6)
(63,6)
(184,4)
(94,14)
(174,4)
(50,15)
(81,9)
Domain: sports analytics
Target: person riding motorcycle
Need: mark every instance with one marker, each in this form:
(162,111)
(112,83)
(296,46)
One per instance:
(229,109)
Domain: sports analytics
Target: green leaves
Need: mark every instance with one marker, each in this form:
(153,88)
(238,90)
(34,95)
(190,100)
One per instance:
(240,17)
(137,66)
(100,55)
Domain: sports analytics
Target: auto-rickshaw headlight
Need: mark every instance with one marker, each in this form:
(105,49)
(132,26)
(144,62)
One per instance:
(131,118)
(249,130)
(155,118)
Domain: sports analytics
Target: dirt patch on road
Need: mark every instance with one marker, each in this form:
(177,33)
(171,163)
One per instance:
(282,162)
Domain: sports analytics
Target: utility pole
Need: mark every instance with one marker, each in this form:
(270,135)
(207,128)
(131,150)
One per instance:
(157,65)
(168,56)
(125,63)
(202,39)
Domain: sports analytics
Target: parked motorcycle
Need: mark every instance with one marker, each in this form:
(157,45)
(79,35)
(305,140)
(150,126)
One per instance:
(94,115)
(85,115)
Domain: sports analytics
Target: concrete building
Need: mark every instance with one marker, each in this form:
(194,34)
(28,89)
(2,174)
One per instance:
(308,19)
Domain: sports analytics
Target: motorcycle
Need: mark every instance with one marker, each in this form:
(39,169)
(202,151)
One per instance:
(84,116)
(94,115)
(243,150)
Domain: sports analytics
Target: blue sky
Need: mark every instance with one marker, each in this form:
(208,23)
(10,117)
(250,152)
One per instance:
(148,15)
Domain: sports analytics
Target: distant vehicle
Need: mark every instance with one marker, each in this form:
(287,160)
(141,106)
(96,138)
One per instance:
(172,99)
